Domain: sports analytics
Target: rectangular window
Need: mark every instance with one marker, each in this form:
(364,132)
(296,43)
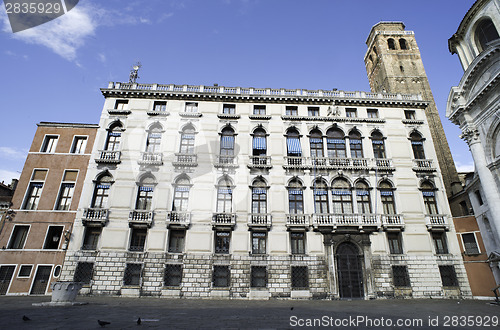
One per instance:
(138,239)
(25,271)
(53,237)
(79,144)
(259,242)
(121,105)
(400,276)
(91,238)
(173,275)
(470,243)
(298,242)
(221,277)
(49,144)
(66,191)
(410,114)
(291,111)
(372,113)
(132,274)
(18,237)
(176,242)
(34,190)
(222,241)
(313,111)
(259,109)
(395,246)
(448,275)
(229,109)
(350,112)
(84,272)
(440,243)
(258,277)
(191,107)
(300,277)
(160,106)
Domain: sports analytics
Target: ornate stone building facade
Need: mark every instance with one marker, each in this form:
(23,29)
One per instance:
(474,106)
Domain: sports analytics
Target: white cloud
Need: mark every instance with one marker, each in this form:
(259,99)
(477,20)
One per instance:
(102,57)
(6,176)
(12,153)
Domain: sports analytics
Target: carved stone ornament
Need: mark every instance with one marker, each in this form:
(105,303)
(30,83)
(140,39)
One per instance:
(470,135)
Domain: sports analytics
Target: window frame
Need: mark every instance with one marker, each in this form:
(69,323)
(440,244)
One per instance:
(257,274)
(222,241)
(76,148)
(259,110)
(291,110)
(21,268)
(453,279)
(471,251)
(176,240)
(137,242)
(174,272)
(351,112)
(298,243)
(395,242)
(90,234)
(401,280)
(59,239)
(130,274)
(258,241)
(295,279)
(440,242)
(23,238)
(77,277)
(47,146)
(221,272)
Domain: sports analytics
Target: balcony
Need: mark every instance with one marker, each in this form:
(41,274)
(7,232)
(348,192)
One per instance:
(228,116)
(260,220)
(109,156)
(122,112)
(437,222)
(185,160)
(226,161)
(327,163)
(296,162)
(151,158)
(423,165)
(178,219)
(357,221)
(224,219)
(263,162)
(140,218)
(384,164)
(95,216)
(392,221)
(153,112)
(297,220)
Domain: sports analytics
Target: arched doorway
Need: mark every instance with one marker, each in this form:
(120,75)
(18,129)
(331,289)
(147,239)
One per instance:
(349,270)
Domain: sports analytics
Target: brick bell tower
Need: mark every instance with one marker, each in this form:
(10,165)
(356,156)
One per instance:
(394,65)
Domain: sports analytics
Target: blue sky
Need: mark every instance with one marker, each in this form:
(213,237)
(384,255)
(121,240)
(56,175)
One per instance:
(53,72)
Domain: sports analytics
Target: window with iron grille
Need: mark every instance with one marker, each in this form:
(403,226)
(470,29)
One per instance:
(176,241)
(448,275)
(173,275)
(222,241)
(291,111)
(258,277)
(300,277)
(395,246)
(298,242)
(410,114)
(470,243)
(132,274)
(440,245)
(91,238)
(18,237)
(400,276)
(53,237)
(84,272)
(138,239)
(221,277)
(259,242)
(259,109)
(313,111)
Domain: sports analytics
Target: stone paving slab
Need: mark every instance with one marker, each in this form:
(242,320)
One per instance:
(163,313)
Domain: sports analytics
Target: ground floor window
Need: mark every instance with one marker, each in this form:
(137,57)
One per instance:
(221,276)
(84,272)
(132,274)
(448,275)
(173,275)
(258,277)
(300,277)
(400,276)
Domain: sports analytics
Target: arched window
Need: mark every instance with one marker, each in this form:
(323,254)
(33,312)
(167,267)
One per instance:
(417,145)
(355,144)
(320,190)
(181,195)
(485,32)
(154,139)
(259,144)
(101,191)
(224,196)
(363,197)
(293,143)
(335,143)
(378,145)
(342,196)
(391,44)
(145,193)
(227,142)
(403,44)
(187,140)
(295,197)
(429,195)
(316,143)
(259,196)
(113,138)
(387,197)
